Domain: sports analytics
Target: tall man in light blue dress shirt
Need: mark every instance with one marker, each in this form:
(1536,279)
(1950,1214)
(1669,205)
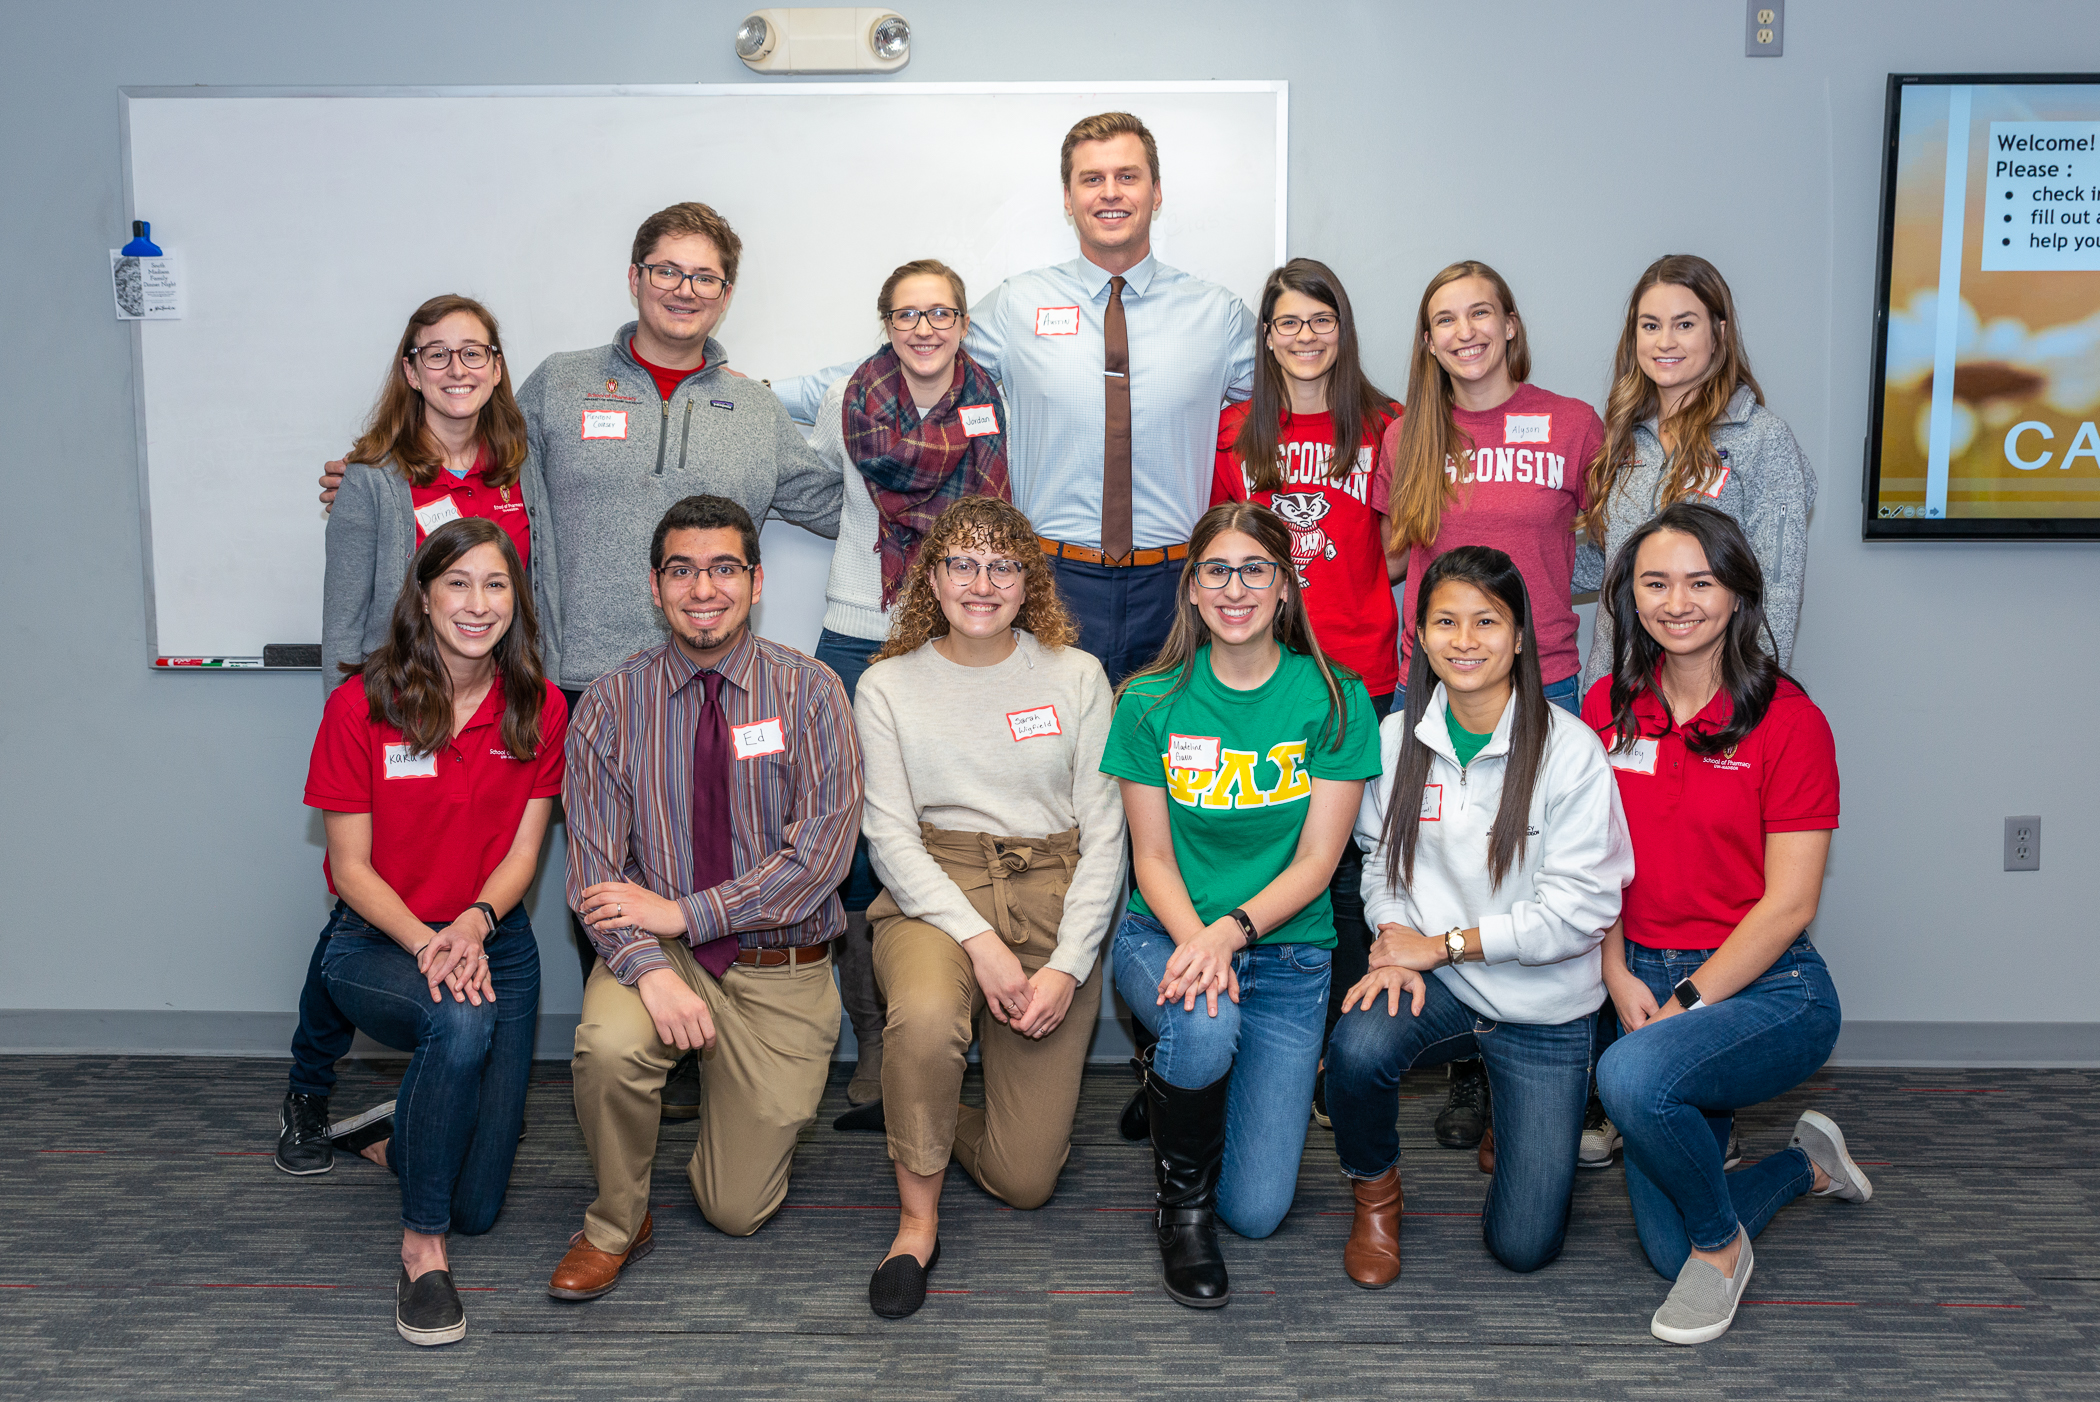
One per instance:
(1041,334)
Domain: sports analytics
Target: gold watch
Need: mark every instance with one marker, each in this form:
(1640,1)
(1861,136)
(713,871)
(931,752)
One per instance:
(1454,946)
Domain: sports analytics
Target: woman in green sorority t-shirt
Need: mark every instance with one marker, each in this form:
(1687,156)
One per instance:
(1242,754)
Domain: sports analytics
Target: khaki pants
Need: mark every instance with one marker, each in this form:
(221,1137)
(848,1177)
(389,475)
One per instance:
(1015,1146)
(774,1032)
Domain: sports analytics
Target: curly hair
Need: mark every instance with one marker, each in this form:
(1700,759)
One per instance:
(978,523)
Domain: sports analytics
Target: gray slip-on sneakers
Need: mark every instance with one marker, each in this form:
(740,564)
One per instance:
(1702,1303)
(1817,1135)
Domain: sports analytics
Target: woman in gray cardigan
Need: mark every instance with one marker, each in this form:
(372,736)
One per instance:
(446,439)
(1687,421)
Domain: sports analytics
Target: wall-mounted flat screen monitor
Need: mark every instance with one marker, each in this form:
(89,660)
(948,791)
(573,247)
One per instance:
(1986,411)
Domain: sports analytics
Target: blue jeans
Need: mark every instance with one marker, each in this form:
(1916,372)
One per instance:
(1672,1089)
(848,656)
(1269,1041)
(1539,1076)
(1565,693)
(457,1113)
(324,1035)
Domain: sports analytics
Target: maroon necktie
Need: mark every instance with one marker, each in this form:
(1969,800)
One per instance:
(1115,455)
(713,858)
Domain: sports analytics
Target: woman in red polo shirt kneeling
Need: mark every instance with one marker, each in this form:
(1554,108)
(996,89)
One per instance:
(1729,777)
(436,771)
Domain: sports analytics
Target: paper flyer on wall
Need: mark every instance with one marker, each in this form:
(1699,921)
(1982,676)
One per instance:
(146,289)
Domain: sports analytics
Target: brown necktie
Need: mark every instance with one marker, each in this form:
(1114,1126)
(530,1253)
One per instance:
(1115,451)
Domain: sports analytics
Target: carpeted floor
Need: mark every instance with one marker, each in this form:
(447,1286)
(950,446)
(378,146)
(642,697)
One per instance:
(151,1251)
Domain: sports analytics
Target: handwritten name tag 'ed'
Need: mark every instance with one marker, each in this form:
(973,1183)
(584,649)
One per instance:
(763,737)
(1198,752)
(1040,720)
(403,763)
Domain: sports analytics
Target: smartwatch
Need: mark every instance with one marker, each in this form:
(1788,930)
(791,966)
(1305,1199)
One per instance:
(1687,995)
(488,910)
(1246,924)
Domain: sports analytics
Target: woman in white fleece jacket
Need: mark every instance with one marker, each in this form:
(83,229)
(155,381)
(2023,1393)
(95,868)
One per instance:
(1496,853)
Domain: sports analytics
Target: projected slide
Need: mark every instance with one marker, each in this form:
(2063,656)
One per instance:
(1987,372)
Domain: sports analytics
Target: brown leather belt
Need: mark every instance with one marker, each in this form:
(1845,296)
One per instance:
(1091,556)
(774,958)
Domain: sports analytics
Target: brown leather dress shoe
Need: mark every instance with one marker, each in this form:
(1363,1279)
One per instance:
(1486,1155)
(1372,1256)
(586,1272)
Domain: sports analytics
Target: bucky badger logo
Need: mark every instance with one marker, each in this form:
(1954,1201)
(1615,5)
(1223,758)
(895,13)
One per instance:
(1301,511)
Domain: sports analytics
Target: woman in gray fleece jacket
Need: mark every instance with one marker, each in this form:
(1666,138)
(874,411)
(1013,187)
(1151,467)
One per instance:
(446,439)
(1687,421)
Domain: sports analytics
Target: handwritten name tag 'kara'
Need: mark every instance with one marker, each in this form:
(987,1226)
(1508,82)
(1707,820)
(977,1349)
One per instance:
(402,763)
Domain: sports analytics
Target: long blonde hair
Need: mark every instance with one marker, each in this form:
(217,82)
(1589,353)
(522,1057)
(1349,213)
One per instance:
(978,523)
(1635,398)
(1429,435)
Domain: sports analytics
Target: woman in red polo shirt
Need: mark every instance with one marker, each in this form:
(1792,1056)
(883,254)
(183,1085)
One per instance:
(436,771)
(1729,778)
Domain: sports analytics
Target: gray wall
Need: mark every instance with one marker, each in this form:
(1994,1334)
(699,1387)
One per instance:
(157,865)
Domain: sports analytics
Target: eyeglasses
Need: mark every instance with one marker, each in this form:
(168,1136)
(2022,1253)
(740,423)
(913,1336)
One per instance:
(961,569)
(1255,574)
(939,318)
(666,277)
(1322,324)
(723,572)
(436,357)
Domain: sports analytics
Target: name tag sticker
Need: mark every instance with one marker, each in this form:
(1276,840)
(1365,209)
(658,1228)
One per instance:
(1198,752)
(1638,760)
(1432,803)
(1527,428)
(1712,491)
(433,514)
(604,423)
(1057,321)
(763,737)
(978,420)
(402,764)
(1041,720)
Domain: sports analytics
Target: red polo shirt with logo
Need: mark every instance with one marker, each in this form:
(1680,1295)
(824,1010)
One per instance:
(440,823)
(473,496)
(1699,822)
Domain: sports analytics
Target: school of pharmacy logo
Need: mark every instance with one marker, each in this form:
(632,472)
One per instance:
(1233,783)
(612,386)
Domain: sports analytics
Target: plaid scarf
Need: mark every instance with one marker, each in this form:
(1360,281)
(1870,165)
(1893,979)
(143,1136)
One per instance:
(916,465)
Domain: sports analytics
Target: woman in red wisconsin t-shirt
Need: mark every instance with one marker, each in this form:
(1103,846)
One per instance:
(1306,447)
(1728,775)
(1483,458)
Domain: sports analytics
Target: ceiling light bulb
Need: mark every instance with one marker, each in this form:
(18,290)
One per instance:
(892,38)
(751,39)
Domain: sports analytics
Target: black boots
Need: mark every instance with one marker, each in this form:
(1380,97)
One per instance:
(1188,1148)
(1133,1124)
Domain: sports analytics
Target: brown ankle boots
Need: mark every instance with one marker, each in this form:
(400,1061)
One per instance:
(1372,1256)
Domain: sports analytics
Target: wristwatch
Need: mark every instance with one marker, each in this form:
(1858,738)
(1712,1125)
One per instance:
(1454,946)
(1246,924)
(1687,995)
(488,910)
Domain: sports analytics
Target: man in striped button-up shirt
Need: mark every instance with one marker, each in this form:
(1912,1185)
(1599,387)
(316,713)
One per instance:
(767,1025)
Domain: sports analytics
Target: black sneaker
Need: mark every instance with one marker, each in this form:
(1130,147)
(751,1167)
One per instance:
(302,1146)
(1320,1115)
(1464,1118)
(682,1089)
(362,1131)
(427,1309)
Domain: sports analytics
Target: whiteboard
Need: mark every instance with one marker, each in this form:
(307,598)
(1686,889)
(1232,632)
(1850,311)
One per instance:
(312,222)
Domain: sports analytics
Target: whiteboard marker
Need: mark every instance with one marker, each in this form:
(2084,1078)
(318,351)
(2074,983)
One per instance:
(208,662)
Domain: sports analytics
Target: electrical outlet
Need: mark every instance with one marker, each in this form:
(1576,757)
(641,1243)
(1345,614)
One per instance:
(1764,28)
(2023,843)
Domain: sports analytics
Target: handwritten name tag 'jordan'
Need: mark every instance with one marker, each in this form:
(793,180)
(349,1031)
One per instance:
(763,737)
(978,420)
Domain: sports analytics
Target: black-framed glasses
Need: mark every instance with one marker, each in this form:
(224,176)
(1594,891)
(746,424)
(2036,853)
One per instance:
(1322,324)
(1255,574)
(939,318)
(436,357)
(963,570)
(723,572)
(668,277)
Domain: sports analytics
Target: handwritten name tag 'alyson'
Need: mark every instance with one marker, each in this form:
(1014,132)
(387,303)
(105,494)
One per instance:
(763,737)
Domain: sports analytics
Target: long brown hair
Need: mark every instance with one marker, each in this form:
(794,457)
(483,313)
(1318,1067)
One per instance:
(1294,630)
(974,523)
(406,684)
(395,429)
(1635,398)
(1749,672)
(1495,575)
(1355,404)
(1429,435)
